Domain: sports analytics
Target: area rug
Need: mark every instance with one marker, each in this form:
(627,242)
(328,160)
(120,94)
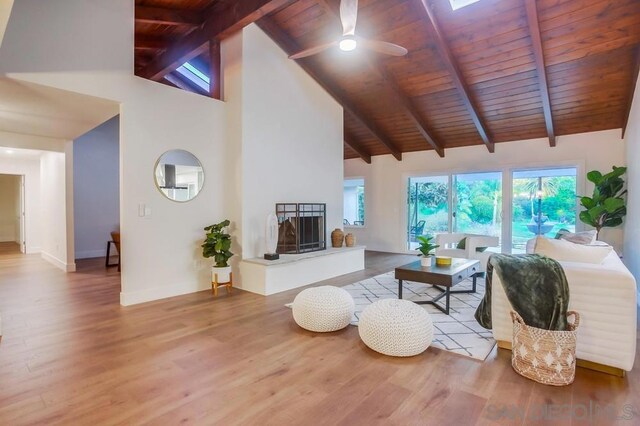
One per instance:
(457,332)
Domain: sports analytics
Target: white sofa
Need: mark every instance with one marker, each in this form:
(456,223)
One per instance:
(448,243)
(605,297)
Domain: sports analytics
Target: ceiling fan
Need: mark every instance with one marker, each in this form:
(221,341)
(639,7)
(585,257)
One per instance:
(349,41)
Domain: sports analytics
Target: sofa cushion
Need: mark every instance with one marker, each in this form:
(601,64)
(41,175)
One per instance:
(585,237)
(462,245)
(566,251)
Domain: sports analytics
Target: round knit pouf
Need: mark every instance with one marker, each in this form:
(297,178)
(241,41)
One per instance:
(396,327)
(323,309)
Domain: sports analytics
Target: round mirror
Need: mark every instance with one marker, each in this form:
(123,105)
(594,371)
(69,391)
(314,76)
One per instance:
(179,175)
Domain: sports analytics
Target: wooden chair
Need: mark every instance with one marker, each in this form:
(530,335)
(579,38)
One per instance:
(115,240)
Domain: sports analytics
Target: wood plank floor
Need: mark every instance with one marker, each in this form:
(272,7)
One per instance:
(72,355)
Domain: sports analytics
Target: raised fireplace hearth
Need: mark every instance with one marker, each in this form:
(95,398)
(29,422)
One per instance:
(301,227)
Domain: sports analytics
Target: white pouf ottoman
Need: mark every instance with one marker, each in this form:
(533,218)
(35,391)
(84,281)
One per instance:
(323,309)
(396,327)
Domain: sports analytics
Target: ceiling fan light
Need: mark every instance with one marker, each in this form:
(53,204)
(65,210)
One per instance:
(348,44)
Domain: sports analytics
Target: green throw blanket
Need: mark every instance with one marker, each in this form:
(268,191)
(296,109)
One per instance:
(536,287)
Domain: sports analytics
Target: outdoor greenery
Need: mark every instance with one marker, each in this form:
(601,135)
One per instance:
(479,205)
(217,244)
(607,207)
(361,204)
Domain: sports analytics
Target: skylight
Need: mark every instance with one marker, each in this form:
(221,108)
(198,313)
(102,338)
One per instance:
(194,75)
(458,4)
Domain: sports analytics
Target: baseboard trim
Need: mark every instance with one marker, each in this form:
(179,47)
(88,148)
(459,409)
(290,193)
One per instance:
(589,365)
(158,293)
(91,254)
(66,267)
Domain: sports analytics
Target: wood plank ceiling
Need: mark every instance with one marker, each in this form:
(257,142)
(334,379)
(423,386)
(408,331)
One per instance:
(491,72)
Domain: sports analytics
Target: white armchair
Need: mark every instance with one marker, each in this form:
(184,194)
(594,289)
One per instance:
(449,242)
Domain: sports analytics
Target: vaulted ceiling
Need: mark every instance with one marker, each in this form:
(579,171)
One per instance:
(491,72)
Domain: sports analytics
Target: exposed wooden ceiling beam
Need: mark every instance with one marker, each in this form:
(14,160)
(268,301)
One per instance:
(215,67)
(146,42)
(223,19)
(632,91)
(457,77)
(333,7)
(290,46)
(162,16)
(538,53)
(350,141)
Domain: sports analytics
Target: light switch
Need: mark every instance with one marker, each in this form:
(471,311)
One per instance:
(147,211)
(141,208)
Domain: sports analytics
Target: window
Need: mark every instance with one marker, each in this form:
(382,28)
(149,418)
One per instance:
(478,203)
(354,202)
(428,207)
(194,75)
(458,4)
(544,201)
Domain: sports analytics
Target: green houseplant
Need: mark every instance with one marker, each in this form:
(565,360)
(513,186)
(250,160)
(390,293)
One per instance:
(217,245)
(607,207)
(426,249)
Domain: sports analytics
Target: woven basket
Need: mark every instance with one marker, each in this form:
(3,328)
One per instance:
(545,356)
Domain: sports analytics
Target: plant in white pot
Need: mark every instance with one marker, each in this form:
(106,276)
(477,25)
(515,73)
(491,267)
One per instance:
(217,245)
(426,249)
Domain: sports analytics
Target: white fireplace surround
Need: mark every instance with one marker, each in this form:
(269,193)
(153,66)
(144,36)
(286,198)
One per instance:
(291,271)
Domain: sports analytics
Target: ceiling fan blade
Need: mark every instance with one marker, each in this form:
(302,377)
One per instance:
(349,16)
(313,50)
(383,47)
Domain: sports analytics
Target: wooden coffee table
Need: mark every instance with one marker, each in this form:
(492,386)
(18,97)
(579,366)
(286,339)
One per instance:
(441,278)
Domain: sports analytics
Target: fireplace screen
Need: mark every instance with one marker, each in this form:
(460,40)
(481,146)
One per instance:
(301,227)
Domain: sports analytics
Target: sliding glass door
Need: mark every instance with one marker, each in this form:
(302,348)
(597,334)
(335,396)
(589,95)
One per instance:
(428,207)
(465,203)
(543,202)
(478,203)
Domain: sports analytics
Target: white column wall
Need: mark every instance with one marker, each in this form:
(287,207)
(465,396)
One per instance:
(632,226)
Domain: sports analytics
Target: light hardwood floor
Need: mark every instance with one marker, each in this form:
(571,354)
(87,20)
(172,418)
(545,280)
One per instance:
(72,355)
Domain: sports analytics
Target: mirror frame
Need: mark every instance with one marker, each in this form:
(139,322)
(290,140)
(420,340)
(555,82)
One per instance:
(155,180)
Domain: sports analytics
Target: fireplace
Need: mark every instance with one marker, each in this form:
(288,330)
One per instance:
(301,227)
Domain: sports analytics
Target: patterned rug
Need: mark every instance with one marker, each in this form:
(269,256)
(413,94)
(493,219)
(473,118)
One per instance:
(458,332)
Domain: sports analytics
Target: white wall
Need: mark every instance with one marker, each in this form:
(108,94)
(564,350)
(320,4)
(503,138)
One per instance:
(53,198)
(96,189)
(9,208)
(386,178)
(291,139)
(30,169)
(632,226)
(22,141)
(161,252)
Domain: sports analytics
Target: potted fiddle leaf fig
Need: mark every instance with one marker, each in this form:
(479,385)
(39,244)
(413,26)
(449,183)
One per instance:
(426,249)
(607,207)
(217,245)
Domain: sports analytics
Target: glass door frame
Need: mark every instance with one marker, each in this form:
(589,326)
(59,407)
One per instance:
(407,221)
(580,189)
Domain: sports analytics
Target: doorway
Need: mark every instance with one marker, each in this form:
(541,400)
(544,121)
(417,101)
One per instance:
(12,213)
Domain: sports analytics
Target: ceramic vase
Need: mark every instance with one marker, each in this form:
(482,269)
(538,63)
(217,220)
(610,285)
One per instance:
(428,261)
(350,240)
(224,274)
(337,237)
